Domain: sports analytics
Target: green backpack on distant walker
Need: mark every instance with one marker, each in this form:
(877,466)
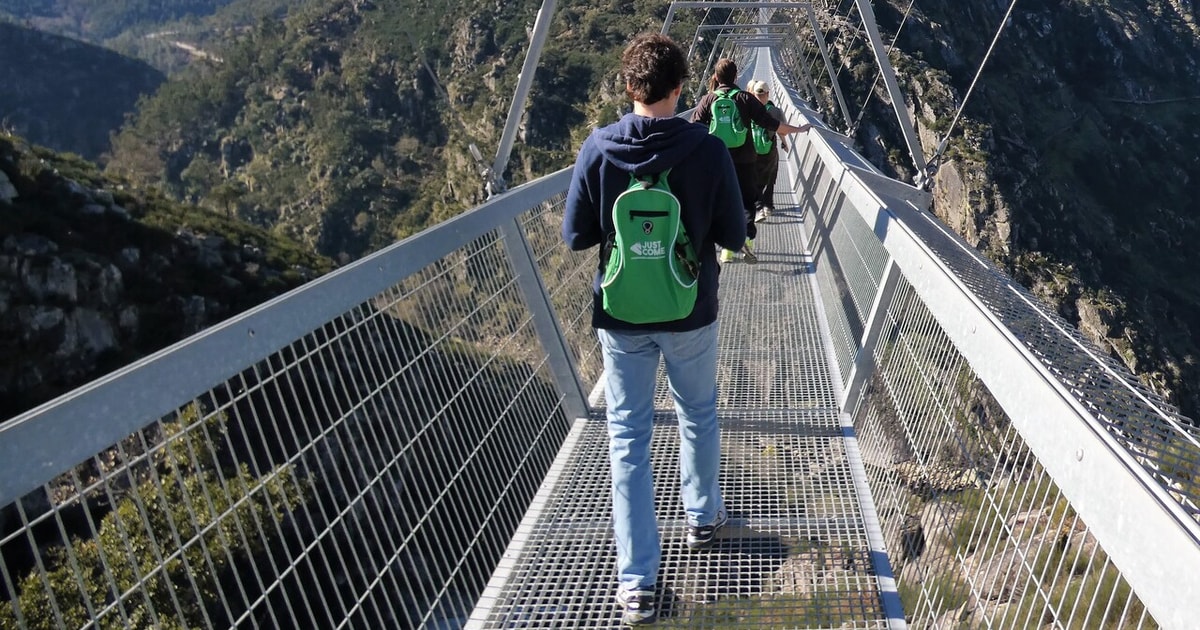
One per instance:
(650,266)
(726,122)
(763,139)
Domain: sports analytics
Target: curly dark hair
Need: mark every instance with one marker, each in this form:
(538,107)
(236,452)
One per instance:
(652,65)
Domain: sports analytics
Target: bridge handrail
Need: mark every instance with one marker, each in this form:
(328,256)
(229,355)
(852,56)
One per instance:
(1118,452)
(1108,448)
(426,387)
(101,413)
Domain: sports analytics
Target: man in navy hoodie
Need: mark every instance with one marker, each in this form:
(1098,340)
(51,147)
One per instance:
(651,140)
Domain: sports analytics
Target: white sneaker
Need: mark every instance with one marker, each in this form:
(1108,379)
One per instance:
(699,536)
(637,607)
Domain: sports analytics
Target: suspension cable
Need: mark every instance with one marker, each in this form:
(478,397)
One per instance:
(879,75)
(857,33)
(932,164)
(483,167)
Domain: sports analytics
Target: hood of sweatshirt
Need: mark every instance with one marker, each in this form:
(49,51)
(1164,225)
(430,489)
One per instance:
(648,145)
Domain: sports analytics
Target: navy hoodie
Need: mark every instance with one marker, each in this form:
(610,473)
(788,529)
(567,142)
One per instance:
(702,177)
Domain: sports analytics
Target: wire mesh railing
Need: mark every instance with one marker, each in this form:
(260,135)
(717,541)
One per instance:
(367,470)
(979,533)
(1002,506)
(360,451)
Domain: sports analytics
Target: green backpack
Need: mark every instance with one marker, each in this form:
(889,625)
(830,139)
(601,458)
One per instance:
(726,122)
(763,139)
(650,266)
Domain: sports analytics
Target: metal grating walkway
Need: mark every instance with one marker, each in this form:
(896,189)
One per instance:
(796,552)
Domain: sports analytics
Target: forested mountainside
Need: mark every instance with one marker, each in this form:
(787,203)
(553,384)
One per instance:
(93,275)
(167,34)
(95,21)
(348,125)
(66,94)
(335,95)
(1076,165)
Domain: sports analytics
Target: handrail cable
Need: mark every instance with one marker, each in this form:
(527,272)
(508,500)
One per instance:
(855,34)
(932,164)
(813,53)
(903,117)
(823,46)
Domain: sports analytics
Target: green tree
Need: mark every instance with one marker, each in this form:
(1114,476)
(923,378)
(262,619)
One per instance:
(227,194)
(162,551)
(200,177)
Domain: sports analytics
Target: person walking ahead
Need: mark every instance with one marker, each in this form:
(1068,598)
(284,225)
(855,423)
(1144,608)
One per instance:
(651,141)
(768,162)
(723,82)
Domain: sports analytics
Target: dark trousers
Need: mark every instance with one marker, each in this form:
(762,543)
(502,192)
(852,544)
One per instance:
(747,174)
(768,172)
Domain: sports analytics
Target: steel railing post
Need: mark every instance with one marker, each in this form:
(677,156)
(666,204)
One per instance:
(541,27)
(864,358)
(893,88)
(545,321)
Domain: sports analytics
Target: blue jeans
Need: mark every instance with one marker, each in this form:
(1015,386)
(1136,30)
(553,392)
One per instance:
(630,366)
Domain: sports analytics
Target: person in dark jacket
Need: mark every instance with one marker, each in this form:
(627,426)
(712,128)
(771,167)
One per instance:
(651,140)
(745,160)
(768,163)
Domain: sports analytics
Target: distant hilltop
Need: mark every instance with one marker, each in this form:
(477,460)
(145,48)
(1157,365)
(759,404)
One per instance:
(66,94)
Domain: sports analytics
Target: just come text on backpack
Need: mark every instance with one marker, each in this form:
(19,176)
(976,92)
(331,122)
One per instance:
(650,266)
(726,122)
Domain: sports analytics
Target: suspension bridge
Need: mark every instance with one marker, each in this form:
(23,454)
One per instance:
(910,438)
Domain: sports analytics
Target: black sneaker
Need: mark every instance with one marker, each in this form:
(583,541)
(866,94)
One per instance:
(699,536)
(637,607)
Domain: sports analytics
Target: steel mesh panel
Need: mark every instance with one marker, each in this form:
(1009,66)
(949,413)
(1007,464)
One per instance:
(566,275)
(824,205)
(796,554)
(771,352)
(979,534)
(759,362)
(861,257)
(368,474)
(813,186)
(1166,443)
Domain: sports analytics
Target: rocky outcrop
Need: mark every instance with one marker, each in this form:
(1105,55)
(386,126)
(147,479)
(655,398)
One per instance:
(1072,165)
(92,277)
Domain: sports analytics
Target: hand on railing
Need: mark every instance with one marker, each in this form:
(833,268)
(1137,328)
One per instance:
(785,128)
